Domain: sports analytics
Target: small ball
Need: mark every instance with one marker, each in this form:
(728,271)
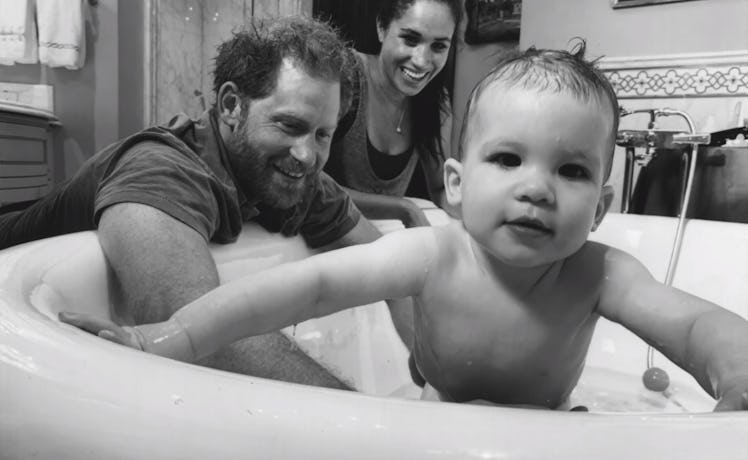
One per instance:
(656,379)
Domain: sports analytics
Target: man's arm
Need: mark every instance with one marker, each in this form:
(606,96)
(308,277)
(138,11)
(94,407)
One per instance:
(709,342)
(159,263)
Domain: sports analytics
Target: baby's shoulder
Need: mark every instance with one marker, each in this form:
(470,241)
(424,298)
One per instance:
(606,261)
(451,237)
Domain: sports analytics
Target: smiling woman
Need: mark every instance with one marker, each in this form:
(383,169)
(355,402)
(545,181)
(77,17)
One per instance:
(389,144)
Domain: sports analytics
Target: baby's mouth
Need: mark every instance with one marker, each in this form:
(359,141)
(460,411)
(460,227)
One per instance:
(531,226)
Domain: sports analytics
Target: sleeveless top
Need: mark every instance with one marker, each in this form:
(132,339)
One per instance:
(349,162)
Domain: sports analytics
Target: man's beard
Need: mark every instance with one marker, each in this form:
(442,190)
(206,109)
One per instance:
(255,175)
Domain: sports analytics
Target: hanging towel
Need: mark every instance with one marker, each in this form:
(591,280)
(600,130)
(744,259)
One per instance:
(17,32)
(62,40)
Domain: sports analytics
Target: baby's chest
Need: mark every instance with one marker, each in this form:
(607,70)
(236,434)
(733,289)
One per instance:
(501,332)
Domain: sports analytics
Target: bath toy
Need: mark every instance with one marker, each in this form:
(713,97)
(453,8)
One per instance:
(656,379)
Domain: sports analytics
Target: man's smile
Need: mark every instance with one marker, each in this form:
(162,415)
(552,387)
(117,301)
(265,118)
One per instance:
(289,171)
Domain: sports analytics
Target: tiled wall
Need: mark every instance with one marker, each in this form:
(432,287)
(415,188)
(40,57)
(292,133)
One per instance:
(711,87)
(184,35)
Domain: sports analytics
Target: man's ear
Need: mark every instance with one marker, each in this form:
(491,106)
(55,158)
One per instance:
(453,182)
(229,104)
(603,205)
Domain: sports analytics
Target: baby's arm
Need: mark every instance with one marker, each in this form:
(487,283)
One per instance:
(706,340)
(393,266)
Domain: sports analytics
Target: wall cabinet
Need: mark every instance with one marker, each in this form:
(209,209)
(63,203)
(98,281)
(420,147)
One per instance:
(26,160)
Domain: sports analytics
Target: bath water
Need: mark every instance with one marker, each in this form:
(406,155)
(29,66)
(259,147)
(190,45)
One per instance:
(605,391)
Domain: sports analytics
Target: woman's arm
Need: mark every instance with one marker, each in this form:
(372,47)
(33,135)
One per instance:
(375,206)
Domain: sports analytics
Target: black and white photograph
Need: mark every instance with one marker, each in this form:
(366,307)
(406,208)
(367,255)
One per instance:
(373,229)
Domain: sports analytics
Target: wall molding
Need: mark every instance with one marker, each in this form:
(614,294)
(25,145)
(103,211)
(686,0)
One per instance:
(723,74)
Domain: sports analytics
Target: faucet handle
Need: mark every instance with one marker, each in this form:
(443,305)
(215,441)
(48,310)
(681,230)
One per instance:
(692,139)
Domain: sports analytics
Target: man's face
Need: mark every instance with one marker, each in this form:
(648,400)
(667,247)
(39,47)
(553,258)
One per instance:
(532,181)
(279,150)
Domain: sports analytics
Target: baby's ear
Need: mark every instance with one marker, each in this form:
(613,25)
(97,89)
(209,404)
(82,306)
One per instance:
(603,205)
(229,104)
(453,182)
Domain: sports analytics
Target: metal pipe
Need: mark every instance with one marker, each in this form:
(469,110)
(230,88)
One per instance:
(694,140)
(628,180)
(686,199)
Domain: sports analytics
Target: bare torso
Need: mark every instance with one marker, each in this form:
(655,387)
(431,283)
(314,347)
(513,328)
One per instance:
(481,337)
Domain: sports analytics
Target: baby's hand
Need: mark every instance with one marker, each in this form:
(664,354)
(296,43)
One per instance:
(123,335)
(734,397)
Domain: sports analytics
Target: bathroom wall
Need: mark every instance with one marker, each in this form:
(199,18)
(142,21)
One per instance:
(184,35)
(670,28)
(691,56)
(85,100)
(131,53)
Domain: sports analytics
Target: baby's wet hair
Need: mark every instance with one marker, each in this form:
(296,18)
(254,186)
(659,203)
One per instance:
(549,70)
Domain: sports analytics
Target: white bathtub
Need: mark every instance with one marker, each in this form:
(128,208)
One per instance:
(65,394)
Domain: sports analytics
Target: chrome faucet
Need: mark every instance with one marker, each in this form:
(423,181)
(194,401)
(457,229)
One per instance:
(651,140)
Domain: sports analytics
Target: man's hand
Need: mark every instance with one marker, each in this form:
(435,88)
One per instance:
(734,396)
(106,329)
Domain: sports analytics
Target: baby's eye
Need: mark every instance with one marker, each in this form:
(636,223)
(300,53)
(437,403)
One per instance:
(506,160)
(573,171)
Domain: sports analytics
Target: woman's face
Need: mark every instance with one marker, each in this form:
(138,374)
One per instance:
(415,45)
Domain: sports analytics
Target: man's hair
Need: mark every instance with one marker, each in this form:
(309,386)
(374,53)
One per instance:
(253,56)
(553,71)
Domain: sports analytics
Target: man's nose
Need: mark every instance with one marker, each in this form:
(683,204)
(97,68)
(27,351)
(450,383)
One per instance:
(305,151)
(536,187)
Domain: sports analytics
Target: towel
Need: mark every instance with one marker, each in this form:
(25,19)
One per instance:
(62,26)
(17,32)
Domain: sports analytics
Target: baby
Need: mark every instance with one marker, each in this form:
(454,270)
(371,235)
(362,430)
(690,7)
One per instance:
(506,300)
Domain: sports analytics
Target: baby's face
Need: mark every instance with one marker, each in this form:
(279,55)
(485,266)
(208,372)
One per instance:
(532,175)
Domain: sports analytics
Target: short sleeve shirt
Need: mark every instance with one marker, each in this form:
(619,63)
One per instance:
(182,170)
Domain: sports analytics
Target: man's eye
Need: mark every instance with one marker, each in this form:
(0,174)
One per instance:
(572,171)
(323,135)
(506,160)
(290,126)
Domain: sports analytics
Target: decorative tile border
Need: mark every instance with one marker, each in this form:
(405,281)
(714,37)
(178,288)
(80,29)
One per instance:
(694,75)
